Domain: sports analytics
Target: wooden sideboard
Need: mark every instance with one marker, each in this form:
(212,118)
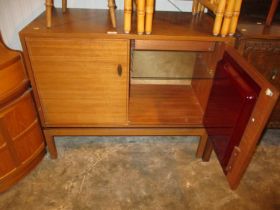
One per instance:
(260,45)
(85,83)
(21,139)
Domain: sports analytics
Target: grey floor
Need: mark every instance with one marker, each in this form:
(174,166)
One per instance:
(144,173)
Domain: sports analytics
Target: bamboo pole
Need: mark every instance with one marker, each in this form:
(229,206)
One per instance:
(235,17)
(49,5)
(219,17)
(127,15)
(140,16)
(64,6)
(227,17)
(149,16)
(112,8)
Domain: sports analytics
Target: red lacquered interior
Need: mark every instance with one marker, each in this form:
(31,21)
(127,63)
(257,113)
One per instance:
(230,105)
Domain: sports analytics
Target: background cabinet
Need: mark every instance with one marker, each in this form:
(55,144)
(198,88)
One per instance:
(260,45)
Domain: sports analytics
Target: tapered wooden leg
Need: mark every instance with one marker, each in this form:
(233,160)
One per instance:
(149,16)
(271,12)
(235,17)
(207,151)
(140,16)
(112,8)
(51,145)
(227,18)
(127,15)
(219,17)
(64,6)
(201,145)
(49,5)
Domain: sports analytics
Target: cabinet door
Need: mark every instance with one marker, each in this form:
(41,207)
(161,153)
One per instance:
(81,82)
(239,106)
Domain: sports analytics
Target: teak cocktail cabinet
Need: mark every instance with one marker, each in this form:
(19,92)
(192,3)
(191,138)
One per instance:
(87,82)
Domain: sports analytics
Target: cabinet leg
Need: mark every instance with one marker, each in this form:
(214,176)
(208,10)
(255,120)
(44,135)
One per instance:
(207,151)
(51,145)
(201,145)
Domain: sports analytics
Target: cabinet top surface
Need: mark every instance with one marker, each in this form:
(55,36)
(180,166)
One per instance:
(96,23)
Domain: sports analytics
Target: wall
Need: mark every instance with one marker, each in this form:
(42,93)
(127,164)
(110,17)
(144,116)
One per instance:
(15,14)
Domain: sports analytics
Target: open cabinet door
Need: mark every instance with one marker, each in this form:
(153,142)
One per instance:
(239,106)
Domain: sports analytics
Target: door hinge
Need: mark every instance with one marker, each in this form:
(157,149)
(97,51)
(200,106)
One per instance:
(236,151)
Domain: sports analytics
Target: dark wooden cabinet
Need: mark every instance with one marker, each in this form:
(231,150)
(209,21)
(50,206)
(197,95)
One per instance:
(260,45)
(21,141)
(219,94)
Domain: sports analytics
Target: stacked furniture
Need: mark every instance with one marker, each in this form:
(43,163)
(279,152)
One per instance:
(145,10)
(226,14)
(21,140)
(49,7)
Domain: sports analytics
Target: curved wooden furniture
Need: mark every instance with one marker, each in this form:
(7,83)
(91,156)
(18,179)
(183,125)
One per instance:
(21,140)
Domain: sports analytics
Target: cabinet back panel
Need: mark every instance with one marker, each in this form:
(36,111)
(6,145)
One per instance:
(78,80)
(162,64)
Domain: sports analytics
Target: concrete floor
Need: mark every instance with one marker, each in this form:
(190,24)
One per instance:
(145,173)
